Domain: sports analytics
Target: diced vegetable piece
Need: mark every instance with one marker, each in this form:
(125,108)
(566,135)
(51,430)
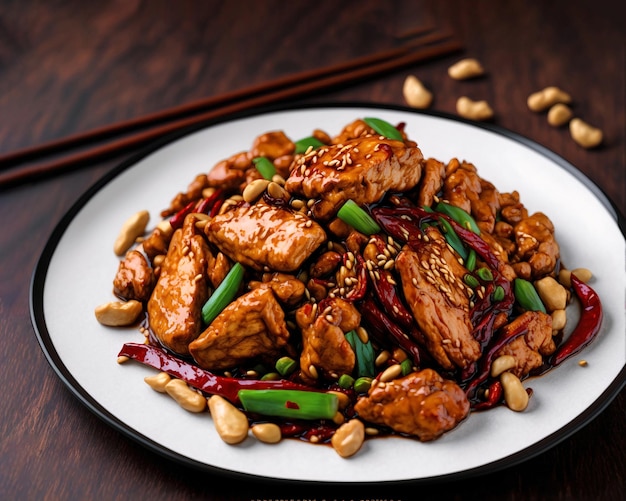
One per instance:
(526,295)
(296,404)
(384,128)
(356,217)
(470,262)
(407,366)
(485,274)
(286,366)
(459,215)
(265,167)
(362,384)
(223,295)
(365,356)
(345,381)
(302,145)
(498,293)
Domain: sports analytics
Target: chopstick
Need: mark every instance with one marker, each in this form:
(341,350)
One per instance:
(165,122)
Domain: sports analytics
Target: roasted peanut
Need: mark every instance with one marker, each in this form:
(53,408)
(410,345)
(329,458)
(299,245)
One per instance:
(415,93)
(501,364)
(466,68)
(474,110)
(344,400)
(559,114)
(584,134)
(348,438)
(133,228)
(187,398)
(552,294)
(119,313)
(254,190)
(268,433)
(230,423)
(390,373)
(158,381)
(583,274)
(559,320)
(515,394)
(544,99)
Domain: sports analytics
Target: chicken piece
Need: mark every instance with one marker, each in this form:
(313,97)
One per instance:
(156,243)
(362,169)
(536,244)
(193,193)
(422,404)
(175,306)
(135,278)
(431,182)
(252,326)
(325,349)
(287,288)
(432,281)
(529,347)
(353,130)
(263,235)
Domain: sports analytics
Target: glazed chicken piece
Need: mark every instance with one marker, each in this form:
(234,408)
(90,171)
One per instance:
(422,404)
(362,169)
(135,278)
(263,235)
(324,344)
(535,342)
(252,326)
(175,306)
(432,281)
(431,183)
(287,288)
(536,244)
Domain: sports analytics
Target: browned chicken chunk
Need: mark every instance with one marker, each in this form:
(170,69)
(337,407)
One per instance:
(360,169)
(325,349)
(287,288)
(536,244)
(432,281)
(529,348)
(175,307)
(263,235)
(432,180)
(251,326)
(422,404)
(134,278)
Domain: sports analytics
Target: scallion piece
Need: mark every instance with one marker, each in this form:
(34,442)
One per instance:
(470,262)
(265,167)
(356,217)
(453,239)
(526,295)
(365,356)
(459,215)
(294,404)
(384,128)
(302,145)
(485,274)
(223,295)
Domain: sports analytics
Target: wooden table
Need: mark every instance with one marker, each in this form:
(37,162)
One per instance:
(67,66)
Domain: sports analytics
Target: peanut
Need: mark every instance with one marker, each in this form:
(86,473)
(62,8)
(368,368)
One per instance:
(415,93)
(544,99)
(501,364)
(584,134)
(559,320)
(474,110)
(268,433)
(552,293)
(515,394)
(391,372)
(348,438)
(559,114)
(187,398)
(132,229)
(583,274)
(466,68)
(230,423)
(158,381)
(119,313)
(254,190)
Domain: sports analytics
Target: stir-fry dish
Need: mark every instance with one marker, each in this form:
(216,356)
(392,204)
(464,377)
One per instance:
(337,288)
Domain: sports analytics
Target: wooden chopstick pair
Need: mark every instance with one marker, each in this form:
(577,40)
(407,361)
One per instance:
(141,130)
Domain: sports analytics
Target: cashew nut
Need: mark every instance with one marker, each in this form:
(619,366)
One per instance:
(466,68)
(230,423)
(415,94)
(132,228)
(474,110)
(348,438)
(559,114)
(187,398)
(544,99)
(119,313)
(552,294)
(158,381)
(268,433)
(501,364)
(584,134)
(515,394)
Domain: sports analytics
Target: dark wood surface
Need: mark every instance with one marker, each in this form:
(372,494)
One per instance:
(67,66)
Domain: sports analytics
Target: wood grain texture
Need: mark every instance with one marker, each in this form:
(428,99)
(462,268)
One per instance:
(67,66)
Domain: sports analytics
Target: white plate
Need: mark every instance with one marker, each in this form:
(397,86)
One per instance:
(76,270)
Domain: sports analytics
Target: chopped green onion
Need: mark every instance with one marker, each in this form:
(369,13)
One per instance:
(356,217)
(302,145)
(295,404)
(526,295)
(345,381)
(286,366)
(365,357)
(485,274)
(470,262)
(498,293)
(363,384)
(453,239)
(265,166)
(223,295)
(384,128)
(458,215)
(471,280)
(407,366)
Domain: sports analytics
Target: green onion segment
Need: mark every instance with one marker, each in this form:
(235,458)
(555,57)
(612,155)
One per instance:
(295,404)
(453,239)
(356,217)
(458,215)
(302,145)
(265,167)
(384,128)
(526,295)
(365,356)
(223,295)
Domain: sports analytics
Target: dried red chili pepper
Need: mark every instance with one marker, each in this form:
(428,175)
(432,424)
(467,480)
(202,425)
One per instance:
(358,292)
(205,205)
(494,397)
(177,219)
